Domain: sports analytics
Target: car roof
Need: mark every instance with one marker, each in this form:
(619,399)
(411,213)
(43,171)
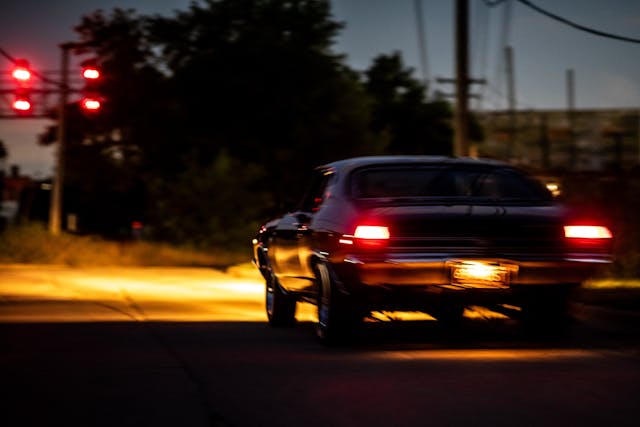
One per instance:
(357,162)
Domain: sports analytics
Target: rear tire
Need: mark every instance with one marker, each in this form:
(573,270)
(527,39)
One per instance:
(337,318)
(280,306)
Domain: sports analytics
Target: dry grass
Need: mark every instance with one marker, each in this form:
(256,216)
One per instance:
(33,245)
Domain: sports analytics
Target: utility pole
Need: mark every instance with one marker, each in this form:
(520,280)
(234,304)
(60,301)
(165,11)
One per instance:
(461,118)
(422,50)
(461,146)
(511,97)
(55,208)
(571,116)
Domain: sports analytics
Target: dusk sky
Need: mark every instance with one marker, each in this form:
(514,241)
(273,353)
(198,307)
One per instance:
(607,71)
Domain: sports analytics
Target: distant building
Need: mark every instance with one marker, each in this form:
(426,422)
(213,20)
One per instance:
(582,140)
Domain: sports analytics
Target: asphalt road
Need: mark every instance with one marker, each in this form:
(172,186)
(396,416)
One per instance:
(189,347)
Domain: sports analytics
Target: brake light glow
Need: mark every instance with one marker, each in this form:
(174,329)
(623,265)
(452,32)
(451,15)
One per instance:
(371,232)
(587,232)
(367,237)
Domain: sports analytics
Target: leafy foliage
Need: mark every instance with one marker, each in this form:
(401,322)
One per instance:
(210,204)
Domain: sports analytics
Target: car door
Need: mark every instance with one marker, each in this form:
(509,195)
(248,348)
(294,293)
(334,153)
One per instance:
(311,204)
(292,236)
(284,249)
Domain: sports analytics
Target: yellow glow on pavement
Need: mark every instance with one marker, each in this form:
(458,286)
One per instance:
(476,312)
(489,355)
(36,293)
(61,294)
(473,312)
(384,316)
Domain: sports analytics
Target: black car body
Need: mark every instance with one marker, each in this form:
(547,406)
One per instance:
(430,234)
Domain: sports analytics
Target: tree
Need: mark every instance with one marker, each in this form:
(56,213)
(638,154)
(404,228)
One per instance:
(412,125)
(261,82)
(211,204)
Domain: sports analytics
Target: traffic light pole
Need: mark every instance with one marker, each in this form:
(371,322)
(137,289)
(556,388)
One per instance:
(55,209)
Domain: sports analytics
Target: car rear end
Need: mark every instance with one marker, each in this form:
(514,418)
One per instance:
(480,232)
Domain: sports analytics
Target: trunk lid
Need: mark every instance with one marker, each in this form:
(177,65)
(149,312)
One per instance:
(478,230)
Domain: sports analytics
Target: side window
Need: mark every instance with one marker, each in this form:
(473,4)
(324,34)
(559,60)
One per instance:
(317,191)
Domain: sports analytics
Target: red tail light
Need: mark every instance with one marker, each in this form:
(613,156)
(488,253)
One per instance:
(587,232)
(371,232)
(368,236)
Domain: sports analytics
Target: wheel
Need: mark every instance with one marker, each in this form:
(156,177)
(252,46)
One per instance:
(337,318)
(281,307)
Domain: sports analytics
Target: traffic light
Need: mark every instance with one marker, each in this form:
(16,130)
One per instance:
(90,72)
(21,72)
(29,86)
(91,102)
(21,104)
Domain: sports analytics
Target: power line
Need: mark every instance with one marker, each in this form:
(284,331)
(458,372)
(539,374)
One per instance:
(571,23)
(6,55)
(505,37)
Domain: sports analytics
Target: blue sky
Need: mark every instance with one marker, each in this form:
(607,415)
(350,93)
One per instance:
(607,72)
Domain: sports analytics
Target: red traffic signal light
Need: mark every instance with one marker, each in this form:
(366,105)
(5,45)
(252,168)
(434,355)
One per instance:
(90,104)
(90,72)
(21,104)
(21,72)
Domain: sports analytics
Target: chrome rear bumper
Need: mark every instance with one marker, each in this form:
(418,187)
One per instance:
(415,269)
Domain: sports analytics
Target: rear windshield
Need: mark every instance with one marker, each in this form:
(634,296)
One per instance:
(445,182)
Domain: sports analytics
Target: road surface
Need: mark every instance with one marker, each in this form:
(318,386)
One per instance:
(189,347)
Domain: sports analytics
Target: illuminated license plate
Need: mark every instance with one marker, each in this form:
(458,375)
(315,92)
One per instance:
(480,274)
